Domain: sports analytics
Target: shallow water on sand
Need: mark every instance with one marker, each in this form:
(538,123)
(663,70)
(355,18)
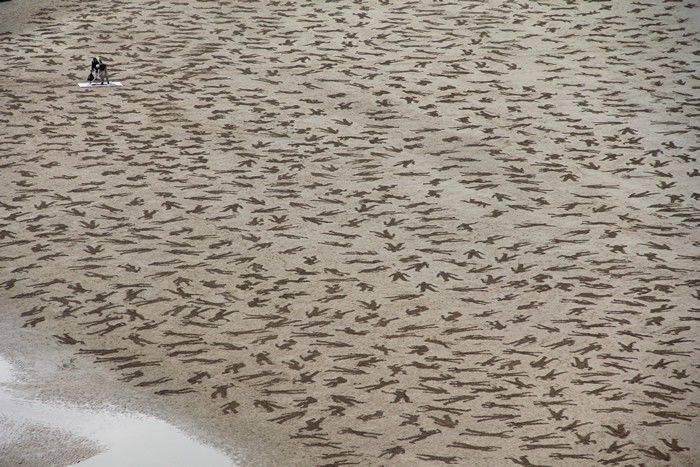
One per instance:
(125,438)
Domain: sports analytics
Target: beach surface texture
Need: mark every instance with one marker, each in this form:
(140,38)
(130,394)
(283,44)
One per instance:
(356,233)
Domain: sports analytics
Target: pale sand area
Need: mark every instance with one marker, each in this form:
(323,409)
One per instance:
(37,429)
(335,233)
(37,444)
(57,410)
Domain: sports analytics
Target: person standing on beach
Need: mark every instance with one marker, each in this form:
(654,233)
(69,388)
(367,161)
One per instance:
(98,70)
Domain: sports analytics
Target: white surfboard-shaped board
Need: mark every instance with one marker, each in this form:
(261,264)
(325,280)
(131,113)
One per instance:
(111,84)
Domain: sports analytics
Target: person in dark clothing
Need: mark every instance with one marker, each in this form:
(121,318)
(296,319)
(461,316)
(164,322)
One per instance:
(98,70)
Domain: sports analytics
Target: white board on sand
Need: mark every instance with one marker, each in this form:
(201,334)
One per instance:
(113,84)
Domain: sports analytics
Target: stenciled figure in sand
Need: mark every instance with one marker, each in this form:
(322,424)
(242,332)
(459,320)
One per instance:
(98,71)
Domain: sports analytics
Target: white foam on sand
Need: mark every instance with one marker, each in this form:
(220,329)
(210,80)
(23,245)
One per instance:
(127,438)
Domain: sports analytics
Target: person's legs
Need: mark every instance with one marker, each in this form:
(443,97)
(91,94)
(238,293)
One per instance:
(103,74)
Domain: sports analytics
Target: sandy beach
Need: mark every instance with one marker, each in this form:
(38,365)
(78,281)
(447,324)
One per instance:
(350,233)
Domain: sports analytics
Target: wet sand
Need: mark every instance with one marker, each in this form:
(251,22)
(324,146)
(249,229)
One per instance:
(56,433)
(337,233)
